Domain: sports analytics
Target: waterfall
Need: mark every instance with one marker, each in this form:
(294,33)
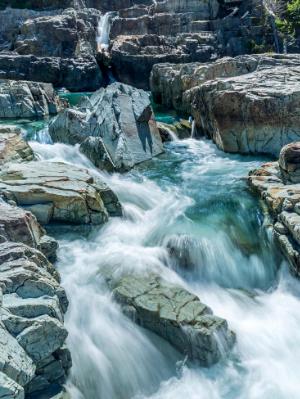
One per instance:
(270,6)
(193,131)
(173,136)
(104,31)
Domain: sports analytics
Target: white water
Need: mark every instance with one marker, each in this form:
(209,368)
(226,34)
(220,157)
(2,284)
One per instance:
(193,131)
(104,31)
(194,196)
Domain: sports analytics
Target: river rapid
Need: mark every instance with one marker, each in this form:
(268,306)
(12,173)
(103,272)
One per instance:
(193,199)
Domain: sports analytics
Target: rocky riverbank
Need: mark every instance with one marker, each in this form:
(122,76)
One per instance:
(278,185)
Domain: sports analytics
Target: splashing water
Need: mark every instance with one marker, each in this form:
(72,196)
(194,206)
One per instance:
(187,215)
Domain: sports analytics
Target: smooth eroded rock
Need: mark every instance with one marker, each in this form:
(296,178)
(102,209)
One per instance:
(72,194)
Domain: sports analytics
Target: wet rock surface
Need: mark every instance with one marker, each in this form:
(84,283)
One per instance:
(176,315)
(279,189)
(58,192)
(114,127)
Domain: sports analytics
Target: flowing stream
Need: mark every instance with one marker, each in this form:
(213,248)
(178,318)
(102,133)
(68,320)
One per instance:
(193,197)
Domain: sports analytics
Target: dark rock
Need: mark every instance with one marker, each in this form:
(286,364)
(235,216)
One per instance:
(75,74)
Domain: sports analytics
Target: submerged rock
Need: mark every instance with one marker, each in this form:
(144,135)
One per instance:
(13,148)
(279,187)
(114,127)
(176,315)
(58,192)
(22,99)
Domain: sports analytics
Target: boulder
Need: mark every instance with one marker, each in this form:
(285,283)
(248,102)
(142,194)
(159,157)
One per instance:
(22,99)
(251,113)
(114,127)
(66,193)
(176,315)
(172,84)
(13,148)
(289,162)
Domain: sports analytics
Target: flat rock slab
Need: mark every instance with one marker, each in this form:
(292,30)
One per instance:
(114,127)
(59,192)
(176,315)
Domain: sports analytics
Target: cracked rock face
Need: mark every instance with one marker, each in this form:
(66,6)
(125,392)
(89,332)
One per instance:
(176,315)
(58,192)
(21,99)
(246,104)
(32,351)
(18,225)
(114,127)
(13,148)
(33,354)
(281,194)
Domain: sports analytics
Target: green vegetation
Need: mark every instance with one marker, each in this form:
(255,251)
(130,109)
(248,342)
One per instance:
(289,21)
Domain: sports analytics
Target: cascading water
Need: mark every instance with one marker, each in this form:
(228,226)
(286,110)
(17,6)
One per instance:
(104,31)
(270,6)
(193,200)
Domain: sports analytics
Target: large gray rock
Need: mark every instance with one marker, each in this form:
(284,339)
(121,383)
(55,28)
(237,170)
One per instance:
(172,84)
(176,315)
(21,99)
(18,225)
(252,113)
(13,148)
(63,192)
(114,127)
